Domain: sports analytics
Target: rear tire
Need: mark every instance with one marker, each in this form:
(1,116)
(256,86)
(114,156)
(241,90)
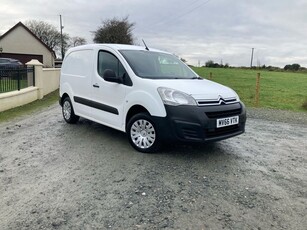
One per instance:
(68,112)
(142,133)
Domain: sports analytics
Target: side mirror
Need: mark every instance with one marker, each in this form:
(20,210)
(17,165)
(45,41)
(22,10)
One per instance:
(109,75)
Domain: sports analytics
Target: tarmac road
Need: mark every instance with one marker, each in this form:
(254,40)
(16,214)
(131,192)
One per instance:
(86,176)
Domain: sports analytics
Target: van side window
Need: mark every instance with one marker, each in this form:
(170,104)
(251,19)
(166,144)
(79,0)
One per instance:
(107,60)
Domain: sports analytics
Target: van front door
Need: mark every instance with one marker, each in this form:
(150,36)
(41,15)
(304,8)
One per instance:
(108,97)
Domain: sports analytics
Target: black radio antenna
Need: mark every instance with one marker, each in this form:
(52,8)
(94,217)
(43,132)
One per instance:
(145,44)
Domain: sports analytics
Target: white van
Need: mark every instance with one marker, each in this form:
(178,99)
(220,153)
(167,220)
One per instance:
(147,93)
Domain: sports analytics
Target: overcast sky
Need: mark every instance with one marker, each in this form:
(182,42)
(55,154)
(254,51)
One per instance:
(196,30)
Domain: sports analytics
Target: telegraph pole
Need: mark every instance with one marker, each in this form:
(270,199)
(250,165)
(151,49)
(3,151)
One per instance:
(252,57)
(62,47)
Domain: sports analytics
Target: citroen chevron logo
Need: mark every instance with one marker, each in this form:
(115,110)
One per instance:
(221,100)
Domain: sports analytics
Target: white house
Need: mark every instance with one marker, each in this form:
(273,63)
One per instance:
(20,43)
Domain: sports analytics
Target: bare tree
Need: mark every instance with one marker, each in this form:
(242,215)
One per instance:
(51,36)
(46,32)
(77,41)
(115,31)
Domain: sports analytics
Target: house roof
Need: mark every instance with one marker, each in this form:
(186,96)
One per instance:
(30,32)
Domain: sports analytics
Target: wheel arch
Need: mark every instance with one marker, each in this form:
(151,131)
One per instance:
(65,91)
(63,97)
(133,111)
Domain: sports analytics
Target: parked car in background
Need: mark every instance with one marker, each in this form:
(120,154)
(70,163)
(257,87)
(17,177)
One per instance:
(9,67)
(10,63)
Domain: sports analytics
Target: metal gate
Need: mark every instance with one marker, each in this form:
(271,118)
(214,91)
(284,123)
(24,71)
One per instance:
(12,79)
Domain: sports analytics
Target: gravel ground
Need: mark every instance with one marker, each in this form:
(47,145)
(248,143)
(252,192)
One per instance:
(289,117)
(86,176)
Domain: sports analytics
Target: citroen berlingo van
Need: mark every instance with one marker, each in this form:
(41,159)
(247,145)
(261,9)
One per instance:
(149,94)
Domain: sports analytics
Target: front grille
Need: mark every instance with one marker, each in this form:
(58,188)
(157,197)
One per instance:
(222,131)
(218,101)
(224,113)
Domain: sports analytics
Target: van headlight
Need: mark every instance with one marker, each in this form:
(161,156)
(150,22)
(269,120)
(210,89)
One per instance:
(175,97)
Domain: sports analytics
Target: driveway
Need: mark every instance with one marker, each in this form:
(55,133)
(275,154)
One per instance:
(86,176)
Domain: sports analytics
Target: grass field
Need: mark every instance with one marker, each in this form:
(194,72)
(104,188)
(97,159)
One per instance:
(31,107)
(278,90)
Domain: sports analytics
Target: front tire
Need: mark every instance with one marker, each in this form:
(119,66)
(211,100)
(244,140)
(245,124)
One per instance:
(142,133)
(68,112)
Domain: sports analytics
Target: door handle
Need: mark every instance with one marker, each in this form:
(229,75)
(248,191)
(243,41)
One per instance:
(96,85)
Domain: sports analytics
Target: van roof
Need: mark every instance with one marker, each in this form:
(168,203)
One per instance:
(115,47)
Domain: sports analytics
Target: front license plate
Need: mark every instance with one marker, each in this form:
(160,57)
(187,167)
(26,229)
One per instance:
(227,121)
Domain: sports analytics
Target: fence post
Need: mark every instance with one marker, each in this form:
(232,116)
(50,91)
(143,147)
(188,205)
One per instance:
(30,76)
(38,73)
(210,76)
(257,90)
(18,79)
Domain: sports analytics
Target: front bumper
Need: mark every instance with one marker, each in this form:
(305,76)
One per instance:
(198,124)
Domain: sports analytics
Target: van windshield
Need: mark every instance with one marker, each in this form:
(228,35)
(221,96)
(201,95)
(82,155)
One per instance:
(156,65)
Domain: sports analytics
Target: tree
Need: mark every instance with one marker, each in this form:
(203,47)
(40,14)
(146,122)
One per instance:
(51,36)
(293,67)
(209,63)
(296,67)
(47,33)
(115,31)
(77,41)
(287,67)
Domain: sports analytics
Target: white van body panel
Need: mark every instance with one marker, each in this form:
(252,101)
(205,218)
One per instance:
(76,78)
(148,99)
(110,94)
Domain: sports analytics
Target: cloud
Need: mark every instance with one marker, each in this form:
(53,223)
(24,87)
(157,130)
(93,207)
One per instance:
(197,30)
